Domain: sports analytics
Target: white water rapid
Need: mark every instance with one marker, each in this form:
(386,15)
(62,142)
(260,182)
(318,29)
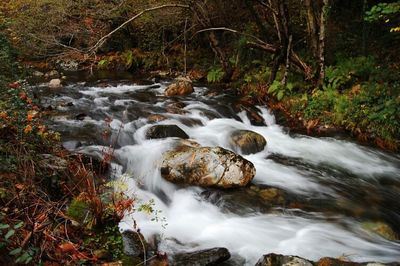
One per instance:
(335,176)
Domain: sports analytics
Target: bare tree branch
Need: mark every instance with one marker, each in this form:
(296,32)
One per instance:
(103,39)
(230,30)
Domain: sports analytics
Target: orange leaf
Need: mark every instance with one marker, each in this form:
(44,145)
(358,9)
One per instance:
(19,186)
(28,129)
(67,247)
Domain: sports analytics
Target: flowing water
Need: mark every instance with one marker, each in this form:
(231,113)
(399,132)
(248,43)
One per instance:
(332,186)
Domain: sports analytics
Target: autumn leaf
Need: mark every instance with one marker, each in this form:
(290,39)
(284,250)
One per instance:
(67,247)
(29,118)
(28,129)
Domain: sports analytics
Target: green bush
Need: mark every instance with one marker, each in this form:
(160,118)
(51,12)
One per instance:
(7,63)
(358,95)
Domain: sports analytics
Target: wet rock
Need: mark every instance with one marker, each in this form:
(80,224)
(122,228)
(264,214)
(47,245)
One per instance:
(279,260)
(382,229)
(181,86)
(55,83)
(207,167)
(196,74)
(212,256)
(156,118)
(247,141)
(165,131)
(52,74)
(326,261)
(187,142)
(270,195)
(282,260)
(80,117)
(134,243)
(37,74)
(176,108)
(178,105)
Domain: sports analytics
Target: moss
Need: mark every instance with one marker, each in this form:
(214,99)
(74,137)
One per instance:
(78,210)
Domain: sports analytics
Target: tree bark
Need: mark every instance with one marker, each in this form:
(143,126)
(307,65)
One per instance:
(322,40)
(287,64)
(312,27)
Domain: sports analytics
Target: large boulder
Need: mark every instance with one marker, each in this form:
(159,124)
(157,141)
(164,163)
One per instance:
(247,141)
(283,260)
(212,256)
(165,131)
(279,260)
(181,86)
(207,167)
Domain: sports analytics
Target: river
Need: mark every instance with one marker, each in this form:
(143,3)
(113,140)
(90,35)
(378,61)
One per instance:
(332,187)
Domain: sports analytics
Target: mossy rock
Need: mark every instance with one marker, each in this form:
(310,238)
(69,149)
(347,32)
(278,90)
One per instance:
(382,229)
(79,210)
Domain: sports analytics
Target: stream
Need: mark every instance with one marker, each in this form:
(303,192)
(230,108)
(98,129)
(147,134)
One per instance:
(331,187)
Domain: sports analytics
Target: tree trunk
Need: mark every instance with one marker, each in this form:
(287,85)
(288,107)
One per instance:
(322,40)
(226,67)
(287,64)
(312,27)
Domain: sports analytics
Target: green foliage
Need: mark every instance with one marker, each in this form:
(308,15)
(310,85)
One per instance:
(261,75)
(278,91)
(358,96)
(215,74)
(7,64)
(103,64)
(7,231)
(109,239)
(148,208)
(348,70)
(387,12)
(79,211)
(24,256)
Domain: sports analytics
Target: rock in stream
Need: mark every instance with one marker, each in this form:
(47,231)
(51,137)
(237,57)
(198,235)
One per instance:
(207,167)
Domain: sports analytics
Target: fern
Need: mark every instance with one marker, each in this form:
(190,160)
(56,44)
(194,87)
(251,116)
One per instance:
(215,75)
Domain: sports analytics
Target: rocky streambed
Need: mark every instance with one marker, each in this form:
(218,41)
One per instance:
(226,189)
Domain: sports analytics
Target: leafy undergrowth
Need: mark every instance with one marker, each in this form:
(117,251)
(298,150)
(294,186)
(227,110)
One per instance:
(53,204)
(358,95)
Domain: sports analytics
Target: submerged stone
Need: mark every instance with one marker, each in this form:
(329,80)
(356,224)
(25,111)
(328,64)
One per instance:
(247,141)
(212,256)
(165,131)
(382,229)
